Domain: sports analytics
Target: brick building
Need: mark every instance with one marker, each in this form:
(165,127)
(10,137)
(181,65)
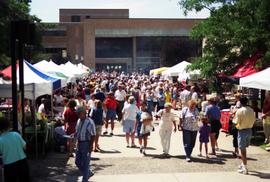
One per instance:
(109,39)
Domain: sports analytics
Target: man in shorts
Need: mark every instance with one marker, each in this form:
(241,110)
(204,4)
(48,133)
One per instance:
(244,120)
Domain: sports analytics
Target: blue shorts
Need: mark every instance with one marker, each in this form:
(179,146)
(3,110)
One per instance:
(111,114)
(244,137)
(128,126)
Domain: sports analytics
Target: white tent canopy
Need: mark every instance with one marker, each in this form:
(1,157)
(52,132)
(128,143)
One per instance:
(180,70)
(83,67)
(176,69)
(73,69)
(48,68)
(258,80)
(36,83)
(58,68)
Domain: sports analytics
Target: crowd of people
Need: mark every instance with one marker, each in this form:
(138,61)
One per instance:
(92,105)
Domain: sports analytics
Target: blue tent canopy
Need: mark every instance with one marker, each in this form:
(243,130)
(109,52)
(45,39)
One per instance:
(56,82)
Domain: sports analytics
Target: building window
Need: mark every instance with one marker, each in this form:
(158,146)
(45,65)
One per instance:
(166,50)
(114,48)
(54,33)
(87,17)
(75,18)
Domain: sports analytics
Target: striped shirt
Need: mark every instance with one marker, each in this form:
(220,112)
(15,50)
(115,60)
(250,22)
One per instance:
(85,129)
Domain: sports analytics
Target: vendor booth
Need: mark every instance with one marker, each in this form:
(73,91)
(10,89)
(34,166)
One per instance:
(258,80)
(158,71)
(36,83)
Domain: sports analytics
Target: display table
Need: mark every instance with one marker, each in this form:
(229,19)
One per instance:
(43,135)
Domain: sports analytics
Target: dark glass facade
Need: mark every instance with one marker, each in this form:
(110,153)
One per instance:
(113,47)
(151,52)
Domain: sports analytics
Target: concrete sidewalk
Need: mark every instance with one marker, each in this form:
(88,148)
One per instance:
(117,163)
(187,177)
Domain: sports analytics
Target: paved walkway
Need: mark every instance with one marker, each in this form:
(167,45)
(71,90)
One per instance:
(116,163)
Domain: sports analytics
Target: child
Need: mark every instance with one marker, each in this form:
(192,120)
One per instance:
(144,126)
(12,148)
(110,105)
(204,135)
(97,116)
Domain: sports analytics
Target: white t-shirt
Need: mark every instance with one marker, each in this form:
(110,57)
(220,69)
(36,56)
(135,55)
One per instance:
(80,103)
(185,97)
(130,111)
(167,118)
(91,104)
(58,99)
(194,96)
(41,108)
(120,95)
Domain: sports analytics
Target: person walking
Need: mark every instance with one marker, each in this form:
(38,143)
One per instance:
(70,120)
(266,117)
(96,115)
(144,126)
(213,114)
(166,125)
(185,96)
(12,148)
(85,135)
(129,123)
(160,99)
(244,120)
(110,106)
(189,125)
(120,96)
(204,136)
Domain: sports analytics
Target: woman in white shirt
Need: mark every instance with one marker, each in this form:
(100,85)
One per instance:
(165,127)
(130,112)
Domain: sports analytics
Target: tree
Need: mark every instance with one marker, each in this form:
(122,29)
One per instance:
(11,10)
(235,30)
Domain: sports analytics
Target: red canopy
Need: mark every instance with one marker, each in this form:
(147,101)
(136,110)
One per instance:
(7,71)
(248,67)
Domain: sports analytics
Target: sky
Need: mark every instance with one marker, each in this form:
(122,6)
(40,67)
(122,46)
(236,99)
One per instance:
(48,10)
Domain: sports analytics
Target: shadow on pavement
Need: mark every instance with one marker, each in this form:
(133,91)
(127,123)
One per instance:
(211,160)
(225,151)
(219,161)
(100,167)
(150,148)
(260,174)
(157,156)
(110,152)
(52,168)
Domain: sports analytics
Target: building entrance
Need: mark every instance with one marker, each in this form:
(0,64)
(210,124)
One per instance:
(111,67)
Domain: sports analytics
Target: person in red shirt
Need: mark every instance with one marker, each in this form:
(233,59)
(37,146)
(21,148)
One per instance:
(110,106)
(70,118)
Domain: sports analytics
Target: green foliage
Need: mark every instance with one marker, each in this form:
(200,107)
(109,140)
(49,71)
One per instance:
(11,10)
(235,30)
